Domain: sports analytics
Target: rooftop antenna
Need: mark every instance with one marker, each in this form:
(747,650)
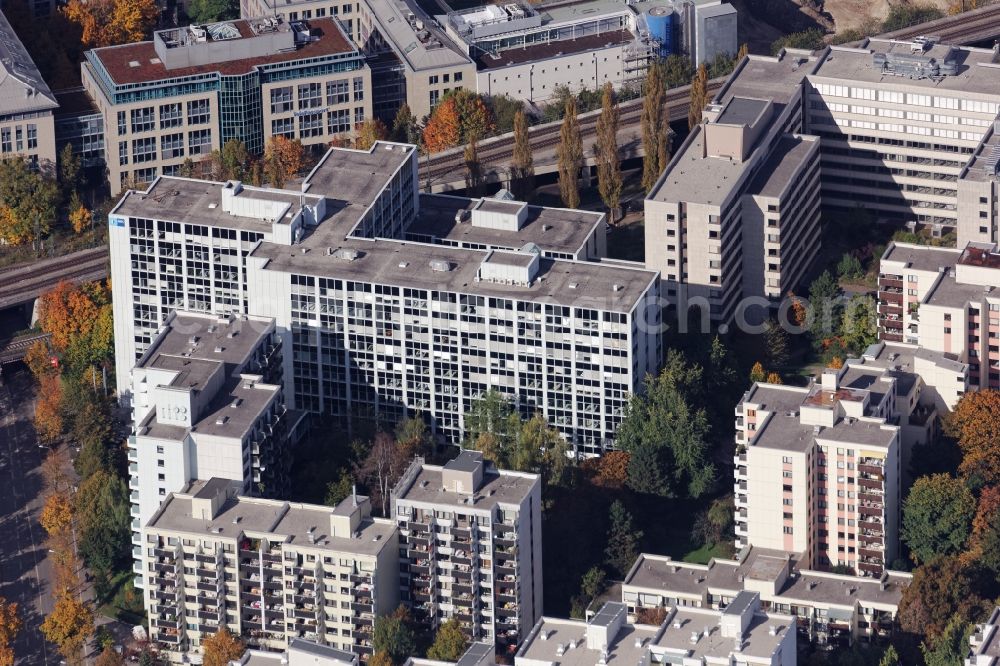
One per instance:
(354,495)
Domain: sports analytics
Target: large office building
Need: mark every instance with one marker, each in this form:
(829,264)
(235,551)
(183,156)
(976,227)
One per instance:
(190,90)
(818,470)
(271,571)
(471,547)
(207,401)
(742,633)
(496,295)
(27,123)
(829,609)
(736,212)
(906,131)
(411,59)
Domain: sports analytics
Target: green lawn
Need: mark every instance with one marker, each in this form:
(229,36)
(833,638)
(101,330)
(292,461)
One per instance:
(124,602)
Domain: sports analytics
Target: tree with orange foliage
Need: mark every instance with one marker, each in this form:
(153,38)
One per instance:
(79,216)
(836,363)
(68,626)
(984,543)
(369,132)
(608,471)
(10,626)
(757,373)
(112,22)
(57,514)
(443,129)
(975,423)
(221,648)
(48,408)
(66,313)
(38,358)
(654,616)
(283,159)
(475,120)
(773,378)
(798,313)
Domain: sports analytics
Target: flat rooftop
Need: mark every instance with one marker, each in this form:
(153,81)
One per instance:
(560,633)
(510,488)
(742,111)
(139,63)
(191,201)
(921,257)
(661,574)
(784,165)
(271,517)
(207,338)
(692,177)
(541,52)
(236,408)
(856,65)
(949,292)
(776,78)
(551,229)
(408,265)
(712,646)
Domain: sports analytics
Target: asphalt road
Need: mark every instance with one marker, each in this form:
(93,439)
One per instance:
(25,572)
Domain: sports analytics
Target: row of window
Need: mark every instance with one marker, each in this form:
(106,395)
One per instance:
(170,115)
(171,146)
(18,144)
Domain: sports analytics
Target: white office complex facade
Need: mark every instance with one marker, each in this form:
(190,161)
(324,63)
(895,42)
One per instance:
(370,324)
(471,547)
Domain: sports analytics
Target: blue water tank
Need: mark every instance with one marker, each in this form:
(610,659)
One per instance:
(662,23)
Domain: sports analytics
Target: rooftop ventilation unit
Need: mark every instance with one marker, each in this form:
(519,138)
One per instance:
(440,265)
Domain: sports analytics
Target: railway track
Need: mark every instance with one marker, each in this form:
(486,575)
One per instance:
(499,150)
(25,282)
(974,25)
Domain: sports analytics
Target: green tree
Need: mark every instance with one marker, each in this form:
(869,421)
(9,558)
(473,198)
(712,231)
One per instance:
(404,126)
(609,170)
(903,16)
(721,65)
(569,155)
(849,267)
(810,40)
(505,110)
(186,169)
(776,344)
(210,11)
(102,508)
(667,439)
(593,583)
(28,200)
(450,642)
(492,415)
(70,171)
(677,71)
(655,127)
(623,540)
(235,158)
(859,323)
(890,657)
(394,635)
(951,647)
(522,180)
(937,517)
(339,490)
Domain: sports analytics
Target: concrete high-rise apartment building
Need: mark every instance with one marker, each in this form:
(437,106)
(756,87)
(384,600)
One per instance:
(736,212)
(471,547)
(192,89)
(943,306)
(207,401)
(27,123)
(829,609)
(818,470)
(496,294)
(271,571)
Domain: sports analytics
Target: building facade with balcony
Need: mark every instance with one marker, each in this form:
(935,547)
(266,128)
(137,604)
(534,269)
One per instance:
(391,303)
(471,547)
(744,633)
(192,89)
(836,449)
(207,402)
(828,609)
(944,304)
(270,571)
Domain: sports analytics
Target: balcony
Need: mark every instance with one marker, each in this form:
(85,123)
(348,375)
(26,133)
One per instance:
(872,484)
